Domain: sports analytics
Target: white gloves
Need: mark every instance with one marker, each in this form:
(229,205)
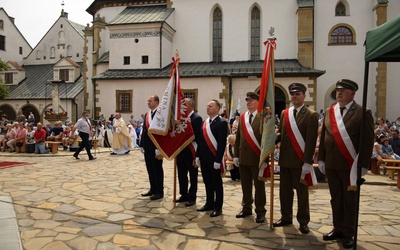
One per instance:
(197,161)
(306,168)
(321,166)
(117,130)
(236,161)
(159,156)
(217,165)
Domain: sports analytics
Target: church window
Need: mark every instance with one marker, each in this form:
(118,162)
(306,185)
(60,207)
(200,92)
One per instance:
(342,34)
(2,43)
(52,53)
(124,101)
(64,74)
(69,51)
(340,9)
(145,59)
(217,35)
(127,60)
(255,34)
(20,50)
(1,24)
(38,55)
(9,78)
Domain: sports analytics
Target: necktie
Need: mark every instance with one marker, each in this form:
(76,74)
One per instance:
(211,121)
(341,110)
(294,112)
(250,118)
(152,114)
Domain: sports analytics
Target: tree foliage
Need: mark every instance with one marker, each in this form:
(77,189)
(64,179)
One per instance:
(3,87)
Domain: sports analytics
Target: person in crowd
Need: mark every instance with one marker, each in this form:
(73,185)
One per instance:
(121,138)
(235,124)
(16,126)
(9,136)
(186,160)
(57,132)
(48,128)
(73,140)
(3,124)
(277,120)
(31,118)
(299,131)
(30,140)
(131,119)
(247,157)
(65,137)
(320,176)
(154,164)
(209,157)
(394,141)
(229,156)
(20,117)
(102,119)
(388,150)
(377,152)
(132,133)
(344,117)
(108,135)
(383,126)
(84,127)
(397,123)
(111,118)
(20,139)
(40,138)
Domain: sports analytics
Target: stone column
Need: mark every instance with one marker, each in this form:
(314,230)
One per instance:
(381,76)
(88,31)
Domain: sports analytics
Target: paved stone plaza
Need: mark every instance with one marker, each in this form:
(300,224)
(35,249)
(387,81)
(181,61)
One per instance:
(62,203)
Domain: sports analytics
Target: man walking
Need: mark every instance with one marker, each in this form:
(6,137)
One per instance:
(338,156)
(247,147)
(85,131)
(299,131)
(153,165)
(186,160)
(210,154)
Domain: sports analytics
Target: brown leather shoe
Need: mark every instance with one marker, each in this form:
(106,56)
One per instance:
(304,229)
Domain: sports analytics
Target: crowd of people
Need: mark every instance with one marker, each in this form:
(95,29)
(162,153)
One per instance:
(304,138)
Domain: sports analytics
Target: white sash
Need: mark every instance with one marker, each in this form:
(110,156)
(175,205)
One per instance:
(250,129)
(210,134)
(292,122)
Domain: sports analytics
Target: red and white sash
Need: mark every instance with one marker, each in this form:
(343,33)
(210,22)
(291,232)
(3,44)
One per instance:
(249,134)
(298,143)
(193,149)
(344,143)
(212,142)
(148,119)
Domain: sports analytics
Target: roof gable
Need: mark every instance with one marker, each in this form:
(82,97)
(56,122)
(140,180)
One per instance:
(66,61)
(15,65)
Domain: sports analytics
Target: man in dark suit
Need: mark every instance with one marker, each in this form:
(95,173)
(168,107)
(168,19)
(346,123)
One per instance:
(299,131)
(210,153)
(344,117)
(153,165)
(186,160)
(248,151)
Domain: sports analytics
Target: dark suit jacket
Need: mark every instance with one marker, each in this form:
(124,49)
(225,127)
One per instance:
(145,140)
(219,128)
(307,122)
(197,123)
(242,149)
(328,149)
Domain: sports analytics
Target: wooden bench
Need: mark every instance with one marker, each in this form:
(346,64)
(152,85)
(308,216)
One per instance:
(53,145)
(391,163)
(391,174)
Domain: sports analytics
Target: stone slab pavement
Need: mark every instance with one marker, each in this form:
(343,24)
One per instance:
(62,203)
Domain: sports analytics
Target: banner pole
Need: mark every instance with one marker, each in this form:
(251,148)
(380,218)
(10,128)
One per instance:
(271,196)
(175,166)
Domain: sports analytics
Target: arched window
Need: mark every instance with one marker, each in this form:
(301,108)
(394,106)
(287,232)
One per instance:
(38,55)
(52,53)
(69,51)
(217,35)
(1,24)
(340,9)
(61,37)
(255,34)
(342,34)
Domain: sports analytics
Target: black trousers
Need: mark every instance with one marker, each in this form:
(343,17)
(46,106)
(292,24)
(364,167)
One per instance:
(185,166)
(213,182)
(84,144)
(155,172)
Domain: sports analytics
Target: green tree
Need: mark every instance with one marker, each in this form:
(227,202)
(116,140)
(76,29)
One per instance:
(3,87)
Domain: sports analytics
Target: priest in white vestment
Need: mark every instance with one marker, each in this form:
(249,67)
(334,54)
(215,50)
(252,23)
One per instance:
(121,139)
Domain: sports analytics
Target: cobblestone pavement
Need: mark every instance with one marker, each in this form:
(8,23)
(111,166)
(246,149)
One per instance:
(63,203)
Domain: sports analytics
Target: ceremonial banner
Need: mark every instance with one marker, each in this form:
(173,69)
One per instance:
(171,130)
(266,108)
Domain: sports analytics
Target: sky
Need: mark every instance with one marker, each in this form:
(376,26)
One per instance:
(34,18)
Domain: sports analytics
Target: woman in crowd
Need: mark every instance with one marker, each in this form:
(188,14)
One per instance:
(383,126)
(229,155)
(9,135)
(20,139)
(30,140)
(377,151)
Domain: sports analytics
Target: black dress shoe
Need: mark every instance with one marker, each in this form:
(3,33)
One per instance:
(76,157)
(127,152)
(112,153)
(156,197)
(243,214)
(282,223)
(304,229)
(348,242)
(149,193)
(205,208)
(190,203)
(93,158)
(181,199)
(260,218)
(332,235)
(216,213)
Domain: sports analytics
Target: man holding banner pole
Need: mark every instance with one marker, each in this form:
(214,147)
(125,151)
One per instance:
(210,155)
(247,147)
(299,130)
